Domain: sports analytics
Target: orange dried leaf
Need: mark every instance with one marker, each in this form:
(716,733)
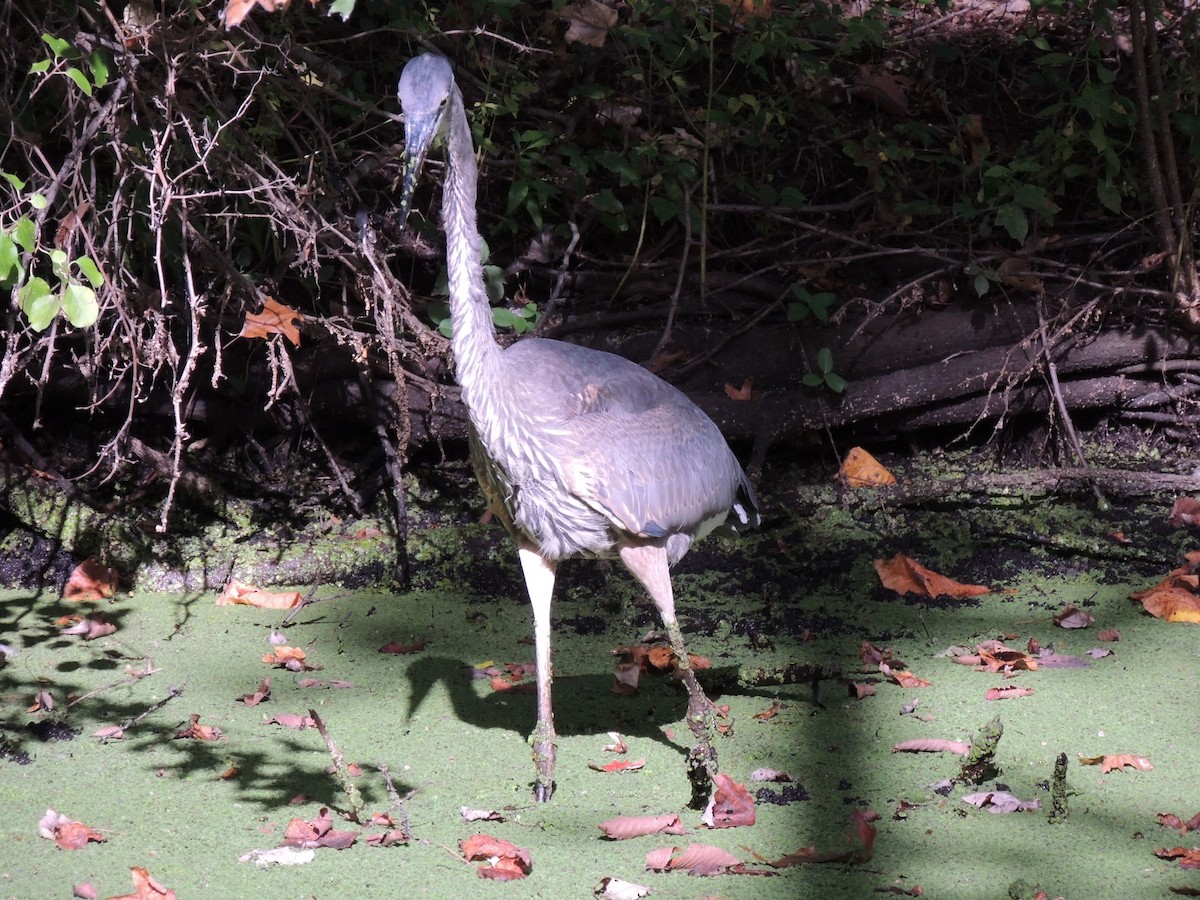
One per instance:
(1170,820)
(619,765)
(1185,511)
(731,805)
(237,592)
(696,859)
(146,887)
(292,720)
(91,581)
(624,827)
(400,649)
(1188,859)
(67,833)
(859,690)
(290,658)
(1115,762)
(502,860)
(903,677)
(932,745)
(995,656)
(1174,604)
(1007,693)
(745,392)
(770,712)
(193,730)
(503,685)
(861,469)
(275,318)
(907,576)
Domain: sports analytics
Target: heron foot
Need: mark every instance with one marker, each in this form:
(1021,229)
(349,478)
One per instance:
(543,760)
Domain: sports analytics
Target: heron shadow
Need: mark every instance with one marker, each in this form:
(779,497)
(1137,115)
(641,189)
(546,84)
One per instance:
(585,704)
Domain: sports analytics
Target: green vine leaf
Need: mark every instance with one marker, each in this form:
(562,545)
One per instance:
(79,305)
(38,303)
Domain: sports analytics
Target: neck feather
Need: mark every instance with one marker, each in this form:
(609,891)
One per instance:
(477,355)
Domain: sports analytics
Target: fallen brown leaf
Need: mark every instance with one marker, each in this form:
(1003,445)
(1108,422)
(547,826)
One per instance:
(904,678)
(145,887)
(291,720)
(861,469)
(502,860)
(1007,693)
(1188,858)
(731,805)
(239,593)
(401,649)
(1185,511)
(193,730)
(1073,617)
(90,581)
(624,827)
(90,627)
(907,576)
(67,833)
(1114,762)
(695,859)
(1000,802)
(932,745)
(1170,820)
(619,765)
(262,693)
(317,833)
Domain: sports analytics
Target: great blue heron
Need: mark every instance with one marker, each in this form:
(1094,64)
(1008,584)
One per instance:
(579,452)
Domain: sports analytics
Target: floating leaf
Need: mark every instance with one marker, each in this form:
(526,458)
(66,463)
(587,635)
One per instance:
(624,827)
(907,576)
(1116,762)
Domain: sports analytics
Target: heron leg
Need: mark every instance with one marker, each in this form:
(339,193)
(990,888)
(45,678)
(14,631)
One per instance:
(648,563)
(539,581)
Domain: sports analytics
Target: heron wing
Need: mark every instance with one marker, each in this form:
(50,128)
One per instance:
(624,441)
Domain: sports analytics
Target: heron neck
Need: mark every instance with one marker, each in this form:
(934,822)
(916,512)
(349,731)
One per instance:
(477,355)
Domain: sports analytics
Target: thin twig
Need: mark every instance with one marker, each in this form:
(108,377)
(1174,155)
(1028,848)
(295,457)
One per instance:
(340,769)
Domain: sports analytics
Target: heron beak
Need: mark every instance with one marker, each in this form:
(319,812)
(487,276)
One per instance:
(418,137)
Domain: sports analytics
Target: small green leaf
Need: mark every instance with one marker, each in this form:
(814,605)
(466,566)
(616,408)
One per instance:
(342,8)
(503,317)
(80,306)
(40,66)
(812,380)
(81,80)
(796,311)
(57,45)
(981,284)
(1012,219)
(99,66)
(835,382)
(13,180)
(90,271)
(58,258)
(825,360)
(38,201)
(9,257)
(38,303)
(25,234)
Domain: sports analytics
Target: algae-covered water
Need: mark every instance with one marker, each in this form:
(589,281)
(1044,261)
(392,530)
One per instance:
(803,592)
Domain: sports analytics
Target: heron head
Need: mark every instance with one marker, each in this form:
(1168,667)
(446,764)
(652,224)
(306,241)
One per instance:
(425,90)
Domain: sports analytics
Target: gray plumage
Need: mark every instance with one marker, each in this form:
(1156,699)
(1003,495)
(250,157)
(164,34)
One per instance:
(579,452)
